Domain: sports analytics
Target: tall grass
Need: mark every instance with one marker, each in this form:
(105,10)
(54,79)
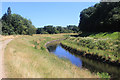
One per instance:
(102,44)
(27,57)
(112,35)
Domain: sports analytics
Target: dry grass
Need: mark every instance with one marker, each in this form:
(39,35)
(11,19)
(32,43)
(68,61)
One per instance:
(22,60)
(2,38)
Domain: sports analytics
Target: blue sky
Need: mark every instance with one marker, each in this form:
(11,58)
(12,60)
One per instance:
(48,13)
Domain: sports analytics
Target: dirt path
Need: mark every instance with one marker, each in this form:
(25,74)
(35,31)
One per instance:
(2,48)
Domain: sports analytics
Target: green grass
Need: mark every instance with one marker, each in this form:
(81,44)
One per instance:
(113,35)
(104,75)
(27,57)
(102,44)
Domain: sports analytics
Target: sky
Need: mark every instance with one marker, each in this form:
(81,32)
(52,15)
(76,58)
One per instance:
(48,13)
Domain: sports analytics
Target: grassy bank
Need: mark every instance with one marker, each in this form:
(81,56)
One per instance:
(105,45)
(27,57)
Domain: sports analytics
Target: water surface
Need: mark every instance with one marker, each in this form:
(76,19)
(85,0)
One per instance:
(82,62)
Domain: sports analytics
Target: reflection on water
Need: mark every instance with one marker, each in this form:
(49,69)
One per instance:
(82,62)
(62,53)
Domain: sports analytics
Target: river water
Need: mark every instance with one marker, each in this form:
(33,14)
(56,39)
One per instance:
(82,62)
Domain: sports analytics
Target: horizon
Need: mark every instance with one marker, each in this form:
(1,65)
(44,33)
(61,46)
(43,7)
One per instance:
(48,13)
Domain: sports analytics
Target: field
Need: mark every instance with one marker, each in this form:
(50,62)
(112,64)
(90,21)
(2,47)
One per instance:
(27,57)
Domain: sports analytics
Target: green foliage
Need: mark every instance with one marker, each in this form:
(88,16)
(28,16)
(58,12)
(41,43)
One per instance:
(0,27)
(58,29)
(102,17)
(95,44)
(16,24)
(111,35)
(42,48)
(104,75)
(102,44)
(50,29)
(9,11)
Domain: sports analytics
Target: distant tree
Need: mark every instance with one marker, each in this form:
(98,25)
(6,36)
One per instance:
(58,29)
(50,29)
(9,11)
(39,31)
(0,27)
(73,28)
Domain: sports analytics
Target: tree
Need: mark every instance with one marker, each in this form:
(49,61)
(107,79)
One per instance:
(9,11)
(58,29)
(49,29)
(0,27)
(73,28)
(102,17)
(16,24)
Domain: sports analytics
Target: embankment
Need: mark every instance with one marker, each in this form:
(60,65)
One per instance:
(89,55)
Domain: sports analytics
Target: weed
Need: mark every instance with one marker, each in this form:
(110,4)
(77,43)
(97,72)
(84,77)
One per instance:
(104,44)
(103,75)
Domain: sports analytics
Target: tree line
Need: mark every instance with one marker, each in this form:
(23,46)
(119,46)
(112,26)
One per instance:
(13,24)
(50,29)
(102,17)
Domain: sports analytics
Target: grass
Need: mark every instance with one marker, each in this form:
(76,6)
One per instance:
(111,35)
(27,57)
(104,75)
(102,44)
(2,38)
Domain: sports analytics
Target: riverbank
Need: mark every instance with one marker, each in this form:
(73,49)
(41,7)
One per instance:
(101,47)
(27,57)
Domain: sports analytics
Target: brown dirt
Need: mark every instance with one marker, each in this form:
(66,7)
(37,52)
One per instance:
(2,48)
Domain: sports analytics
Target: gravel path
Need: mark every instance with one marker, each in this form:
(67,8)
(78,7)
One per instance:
(2,47)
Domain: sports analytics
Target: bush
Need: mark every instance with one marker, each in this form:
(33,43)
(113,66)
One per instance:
(42,48)
(103,75)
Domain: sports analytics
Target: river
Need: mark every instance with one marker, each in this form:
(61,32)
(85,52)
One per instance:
(82,62)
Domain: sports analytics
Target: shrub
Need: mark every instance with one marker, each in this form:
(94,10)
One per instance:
(103,75)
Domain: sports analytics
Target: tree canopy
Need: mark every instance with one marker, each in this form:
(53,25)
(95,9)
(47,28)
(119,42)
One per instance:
(50,29)
(16,24)
(102,17)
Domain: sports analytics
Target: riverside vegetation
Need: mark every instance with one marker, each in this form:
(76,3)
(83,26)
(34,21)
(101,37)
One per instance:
(27,57)
(105,45)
